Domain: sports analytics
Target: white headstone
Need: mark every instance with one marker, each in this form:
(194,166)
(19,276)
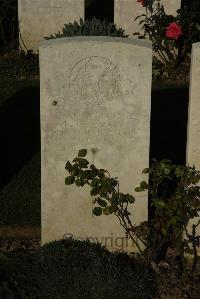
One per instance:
(193,139)
(127,10)
(41,18)
(102,87)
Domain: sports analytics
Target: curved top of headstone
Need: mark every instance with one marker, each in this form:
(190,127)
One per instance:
(133,41)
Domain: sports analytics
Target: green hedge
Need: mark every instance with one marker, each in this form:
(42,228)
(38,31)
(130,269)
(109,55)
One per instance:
(75,269)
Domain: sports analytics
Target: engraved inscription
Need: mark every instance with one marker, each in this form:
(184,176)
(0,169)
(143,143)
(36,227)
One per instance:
(94,79)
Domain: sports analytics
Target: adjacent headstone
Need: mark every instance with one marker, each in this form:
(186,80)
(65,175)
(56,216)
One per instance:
(95,94)
(40,18)
(127,10)
(193,139)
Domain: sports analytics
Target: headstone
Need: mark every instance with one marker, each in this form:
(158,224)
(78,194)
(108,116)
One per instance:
(127,10)
(40,18)
(193,138)
(102,90)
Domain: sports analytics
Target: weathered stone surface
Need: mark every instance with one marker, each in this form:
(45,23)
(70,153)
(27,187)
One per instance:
(193,139)
(171,6)
(102,87)
(127,10)
(40,18)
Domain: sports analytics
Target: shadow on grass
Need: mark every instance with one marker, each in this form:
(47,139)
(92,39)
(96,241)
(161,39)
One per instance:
(169,115)
(19,131)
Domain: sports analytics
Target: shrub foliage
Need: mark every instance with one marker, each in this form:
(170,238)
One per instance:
(172,210)
(94,27)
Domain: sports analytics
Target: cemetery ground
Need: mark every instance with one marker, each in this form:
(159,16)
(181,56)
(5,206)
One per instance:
(20,212)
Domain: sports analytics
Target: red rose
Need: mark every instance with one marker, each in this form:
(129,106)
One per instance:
(142,2)
(173,31)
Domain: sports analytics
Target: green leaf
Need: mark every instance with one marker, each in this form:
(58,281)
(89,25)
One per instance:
(173,220)
(75,166)
(109,210)
(93,167)
(145,170)
(114,182)
(74,172)
(138,189)
(79,183)
(82,153)
(130,198)
(123,198)
(159,203)
(95,182)
(92,174)
(143,185)
(101,175)
(68,166)
(179,172)
(69,180)
(94,191)
(97,211)
(102,202)
(83,163)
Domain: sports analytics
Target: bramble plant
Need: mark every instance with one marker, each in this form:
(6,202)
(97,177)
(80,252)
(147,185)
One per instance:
(171,36)
(173,207)
(108,198)
(162,30)
(175,200)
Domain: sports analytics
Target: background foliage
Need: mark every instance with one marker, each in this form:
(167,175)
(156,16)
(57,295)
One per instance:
(174,54)
(93,27)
